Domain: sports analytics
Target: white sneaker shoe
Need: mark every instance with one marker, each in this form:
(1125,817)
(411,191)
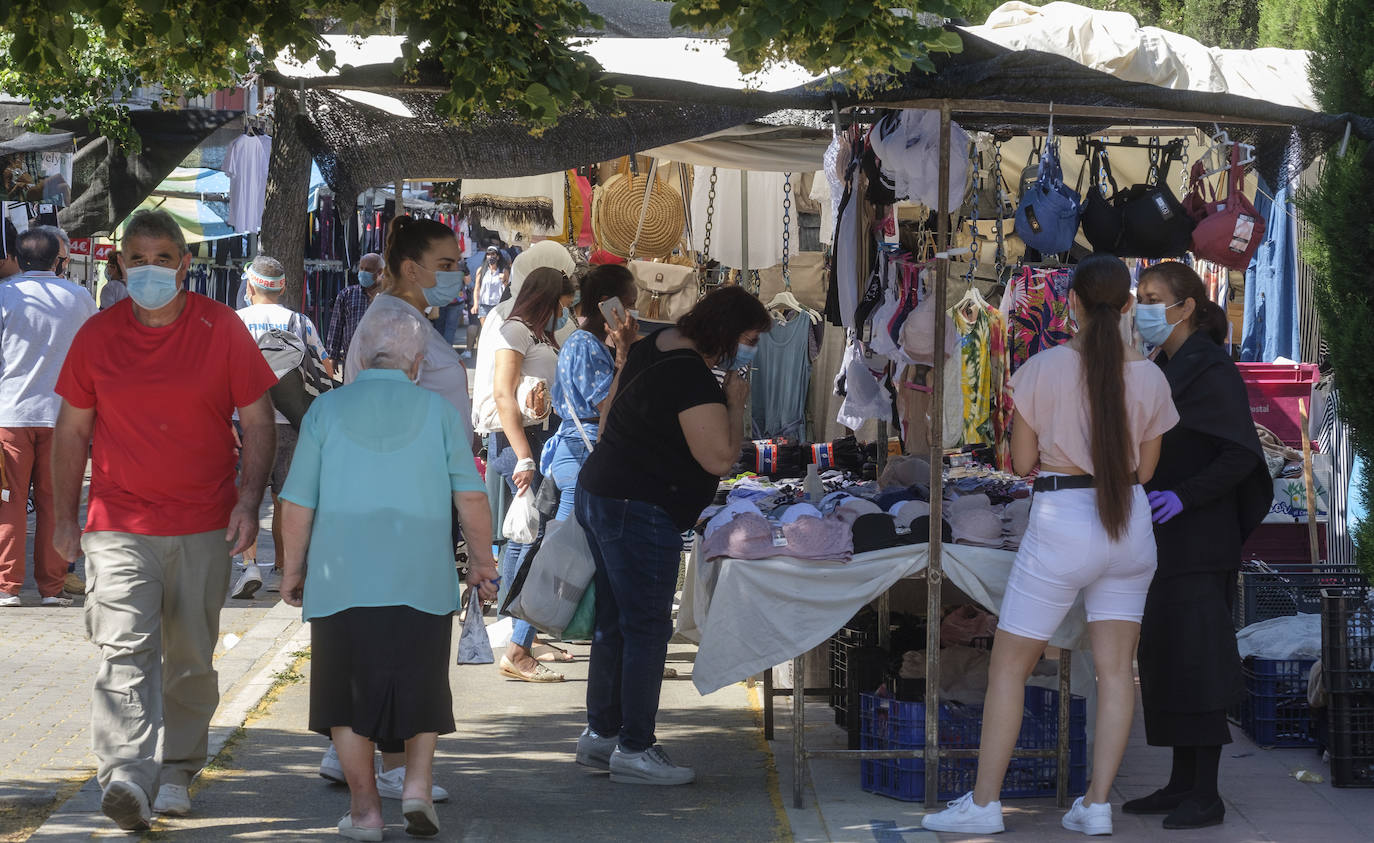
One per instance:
(127,805)
(652,766)
(248,584)
(10,600)
(1089,819)
(595,751)
(56,601)
(390,783)
(965,817)
(172,799)
(330,768)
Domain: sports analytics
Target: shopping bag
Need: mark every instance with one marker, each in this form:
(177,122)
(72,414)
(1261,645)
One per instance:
(522,519)
(556,574)
(473,645)
(583,621)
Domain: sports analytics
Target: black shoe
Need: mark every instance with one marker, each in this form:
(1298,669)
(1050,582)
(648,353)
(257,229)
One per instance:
(1194,814)
(1159,802)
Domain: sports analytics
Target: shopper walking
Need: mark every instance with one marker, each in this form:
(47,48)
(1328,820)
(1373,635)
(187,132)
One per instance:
(369,558)
(1090,414)
(349,307)
(114,290)
(517,414)
(668,435)
(149,386)
(1211,490)
(40,314)
(264,314)
(491,283)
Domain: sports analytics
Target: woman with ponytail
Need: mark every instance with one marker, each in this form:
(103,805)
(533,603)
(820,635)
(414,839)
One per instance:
(1089,416)
(1209,493)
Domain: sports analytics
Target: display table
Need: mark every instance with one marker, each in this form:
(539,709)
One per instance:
(748,615)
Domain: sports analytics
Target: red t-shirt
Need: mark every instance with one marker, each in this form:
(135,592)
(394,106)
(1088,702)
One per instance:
(162,452)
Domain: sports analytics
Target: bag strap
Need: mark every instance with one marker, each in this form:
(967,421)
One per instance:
(644,208)
(580,429)
(1236,175)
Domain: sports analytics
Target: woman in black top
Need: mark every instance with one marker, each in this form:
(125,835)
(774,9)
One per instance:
(669,433)
(1209,493)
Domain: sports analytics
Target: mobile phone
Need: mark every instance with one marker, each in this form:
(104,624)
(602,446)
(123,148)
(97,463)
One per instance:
(613,310)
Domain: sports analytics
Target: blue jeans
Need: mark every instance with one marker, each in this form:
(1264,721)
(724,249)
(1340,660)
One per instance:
(637,551)
(450,320)
(512,560)
(569,453)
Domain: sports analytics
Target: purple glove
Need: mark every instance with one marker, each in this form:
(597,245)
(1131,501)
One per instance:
(1164,506)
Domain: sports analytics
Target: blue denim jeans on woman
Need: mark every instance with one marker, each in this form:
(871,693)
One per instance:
(637,551)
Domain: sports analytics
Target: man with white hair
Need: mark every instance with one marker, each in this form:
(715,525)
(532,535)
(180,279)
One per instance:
(350,305)
(266,279)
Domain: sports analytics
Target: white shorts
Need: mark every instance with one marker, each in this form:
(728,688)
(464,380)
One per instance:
(1066,550)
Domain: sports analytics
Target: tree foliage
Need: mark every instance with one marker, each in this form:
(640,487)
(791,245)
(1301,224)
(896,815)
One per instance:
(1340,213)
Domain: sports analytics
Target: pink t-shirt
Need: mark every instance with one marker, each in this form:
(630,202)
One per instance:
(1049,394)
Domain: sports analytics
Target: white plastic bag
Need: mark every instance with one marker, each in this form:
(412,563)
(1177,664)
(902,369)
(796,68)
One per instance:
(473,645)
(522,519)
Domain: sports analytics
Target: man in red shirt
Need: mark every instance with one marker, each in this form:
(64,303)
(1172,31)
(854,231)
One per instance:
(150,385)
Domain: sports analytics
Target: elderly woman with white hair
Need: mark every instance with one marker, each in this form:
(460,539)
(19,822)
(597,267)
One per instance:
(369,557)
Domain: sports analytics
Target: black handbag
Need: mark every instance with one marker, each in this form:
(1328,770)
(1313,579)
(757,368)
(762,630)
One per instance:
(1154,223)
(1101,219)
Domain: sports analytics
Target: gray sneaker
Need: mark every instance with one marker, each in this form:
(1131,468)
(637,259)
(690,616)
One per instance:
(127,805)
(595,751)
(652,766)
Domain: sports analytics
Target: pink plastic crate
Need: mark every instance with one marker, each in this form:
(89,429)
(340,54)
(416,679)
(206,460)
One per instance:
(1274,391)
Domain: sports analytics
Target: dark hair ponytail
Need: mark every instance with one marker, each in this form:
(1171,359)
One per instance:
(408,238)
(1103,285)
(1185,284)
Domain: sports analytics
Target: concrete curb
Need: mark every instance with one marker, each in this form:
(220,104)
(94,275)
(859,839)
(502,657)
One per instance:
(279,634)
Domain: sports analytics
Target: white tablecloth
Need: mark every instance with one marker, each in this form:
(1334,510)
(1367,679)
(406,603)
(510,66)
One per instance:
(748,615)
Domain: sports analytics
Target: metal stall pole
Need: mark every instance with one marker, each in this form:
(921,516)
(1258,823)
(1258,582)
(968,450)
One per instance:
(935,571)
(743,223)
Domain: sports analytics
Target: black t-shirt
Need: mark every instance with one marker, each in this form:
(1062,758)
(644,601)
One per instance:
(642,454)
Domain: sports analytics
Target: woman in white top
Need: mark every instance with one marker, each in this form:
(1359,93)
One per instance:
(526,367)
(1090,415)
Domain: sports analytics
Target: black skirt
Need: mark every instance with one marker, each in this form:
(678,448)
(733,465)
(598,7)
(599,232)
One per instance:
(381,671)
(1190,669)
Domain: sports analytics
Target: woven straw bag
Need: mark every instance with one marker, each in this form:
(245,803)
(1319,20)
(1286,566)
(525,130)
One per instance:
(637,216)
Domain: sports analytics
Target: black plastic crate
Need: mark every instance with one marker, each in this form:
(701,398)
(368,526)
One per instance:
(1261,595)
(1275,712)
(1348,640)
(1352,739)
(844,681)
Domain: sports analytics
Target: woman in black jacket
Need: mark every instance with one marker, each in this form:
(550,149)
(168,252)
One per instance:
(1211,490)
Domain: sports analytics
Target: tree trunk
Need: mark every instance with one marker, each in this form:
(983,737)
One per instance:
(284,223)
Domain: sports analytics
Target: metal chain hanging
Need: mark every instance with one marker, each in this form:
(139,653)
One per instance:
(1153,177)
(1000,255)
(1184,185)
(786,231)
(708,279)
(976,164)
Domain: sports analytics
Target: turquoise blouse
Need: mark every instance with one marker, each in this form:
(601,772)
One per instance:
(378,460)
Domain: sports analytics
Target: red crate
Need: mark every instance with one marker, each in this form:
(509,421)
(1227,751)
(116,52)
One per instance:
(1274,390)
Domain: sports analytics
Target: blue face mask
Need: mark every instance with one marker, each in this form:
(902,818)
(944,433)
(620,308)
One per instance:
(366,279)
(152,286)
(744,356)
(1152,321)
(557,322)
(447,287)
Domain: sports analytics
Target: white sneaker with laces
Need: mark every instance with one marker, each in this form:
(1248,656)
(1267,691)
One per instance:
(390,783)
(248,584)
(10,599)
(593,750)
(57,601)
(1089,819)
(963,816)
(652,766)
(172,799)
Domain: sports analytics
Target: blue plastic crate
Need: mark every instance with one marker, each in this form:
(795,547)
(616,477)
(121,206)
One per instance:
(1275,712)
(894,724)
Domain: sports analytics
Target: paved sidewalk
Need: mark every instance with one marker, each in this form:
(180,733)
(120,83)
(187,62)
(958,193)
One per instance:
(510,770)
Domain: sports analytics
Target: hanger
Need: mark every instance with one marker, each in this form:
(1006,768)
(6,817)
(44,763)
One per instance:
(786,301)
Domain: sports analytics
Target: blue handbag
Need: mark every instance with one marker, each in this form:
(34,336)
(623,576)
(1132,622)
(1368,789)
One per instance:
(1047,218)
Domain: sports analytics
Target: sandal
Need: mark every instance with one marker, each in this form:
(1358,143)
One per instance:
(551,653)
(539,674)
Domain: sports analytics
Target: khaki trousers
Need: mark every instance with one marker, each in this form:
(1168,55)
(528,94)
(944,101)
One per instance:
(152,607)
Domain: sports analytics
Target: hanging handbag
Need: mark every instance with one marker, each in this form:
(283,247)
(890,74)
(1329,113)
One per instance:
(666,290)
(1047,218)
(1233,229)
(637,214)
(1101,218)
(1154,224)
(1195,203)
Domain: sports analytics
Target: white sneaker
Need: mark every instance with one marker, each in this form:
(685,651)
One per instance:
(248,584)
(56,601)
(595,751)
(1089,819)
(10,600)
(390,783)
(652,766)
(330,768)
(172,799)
(965,817)
(127,805)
